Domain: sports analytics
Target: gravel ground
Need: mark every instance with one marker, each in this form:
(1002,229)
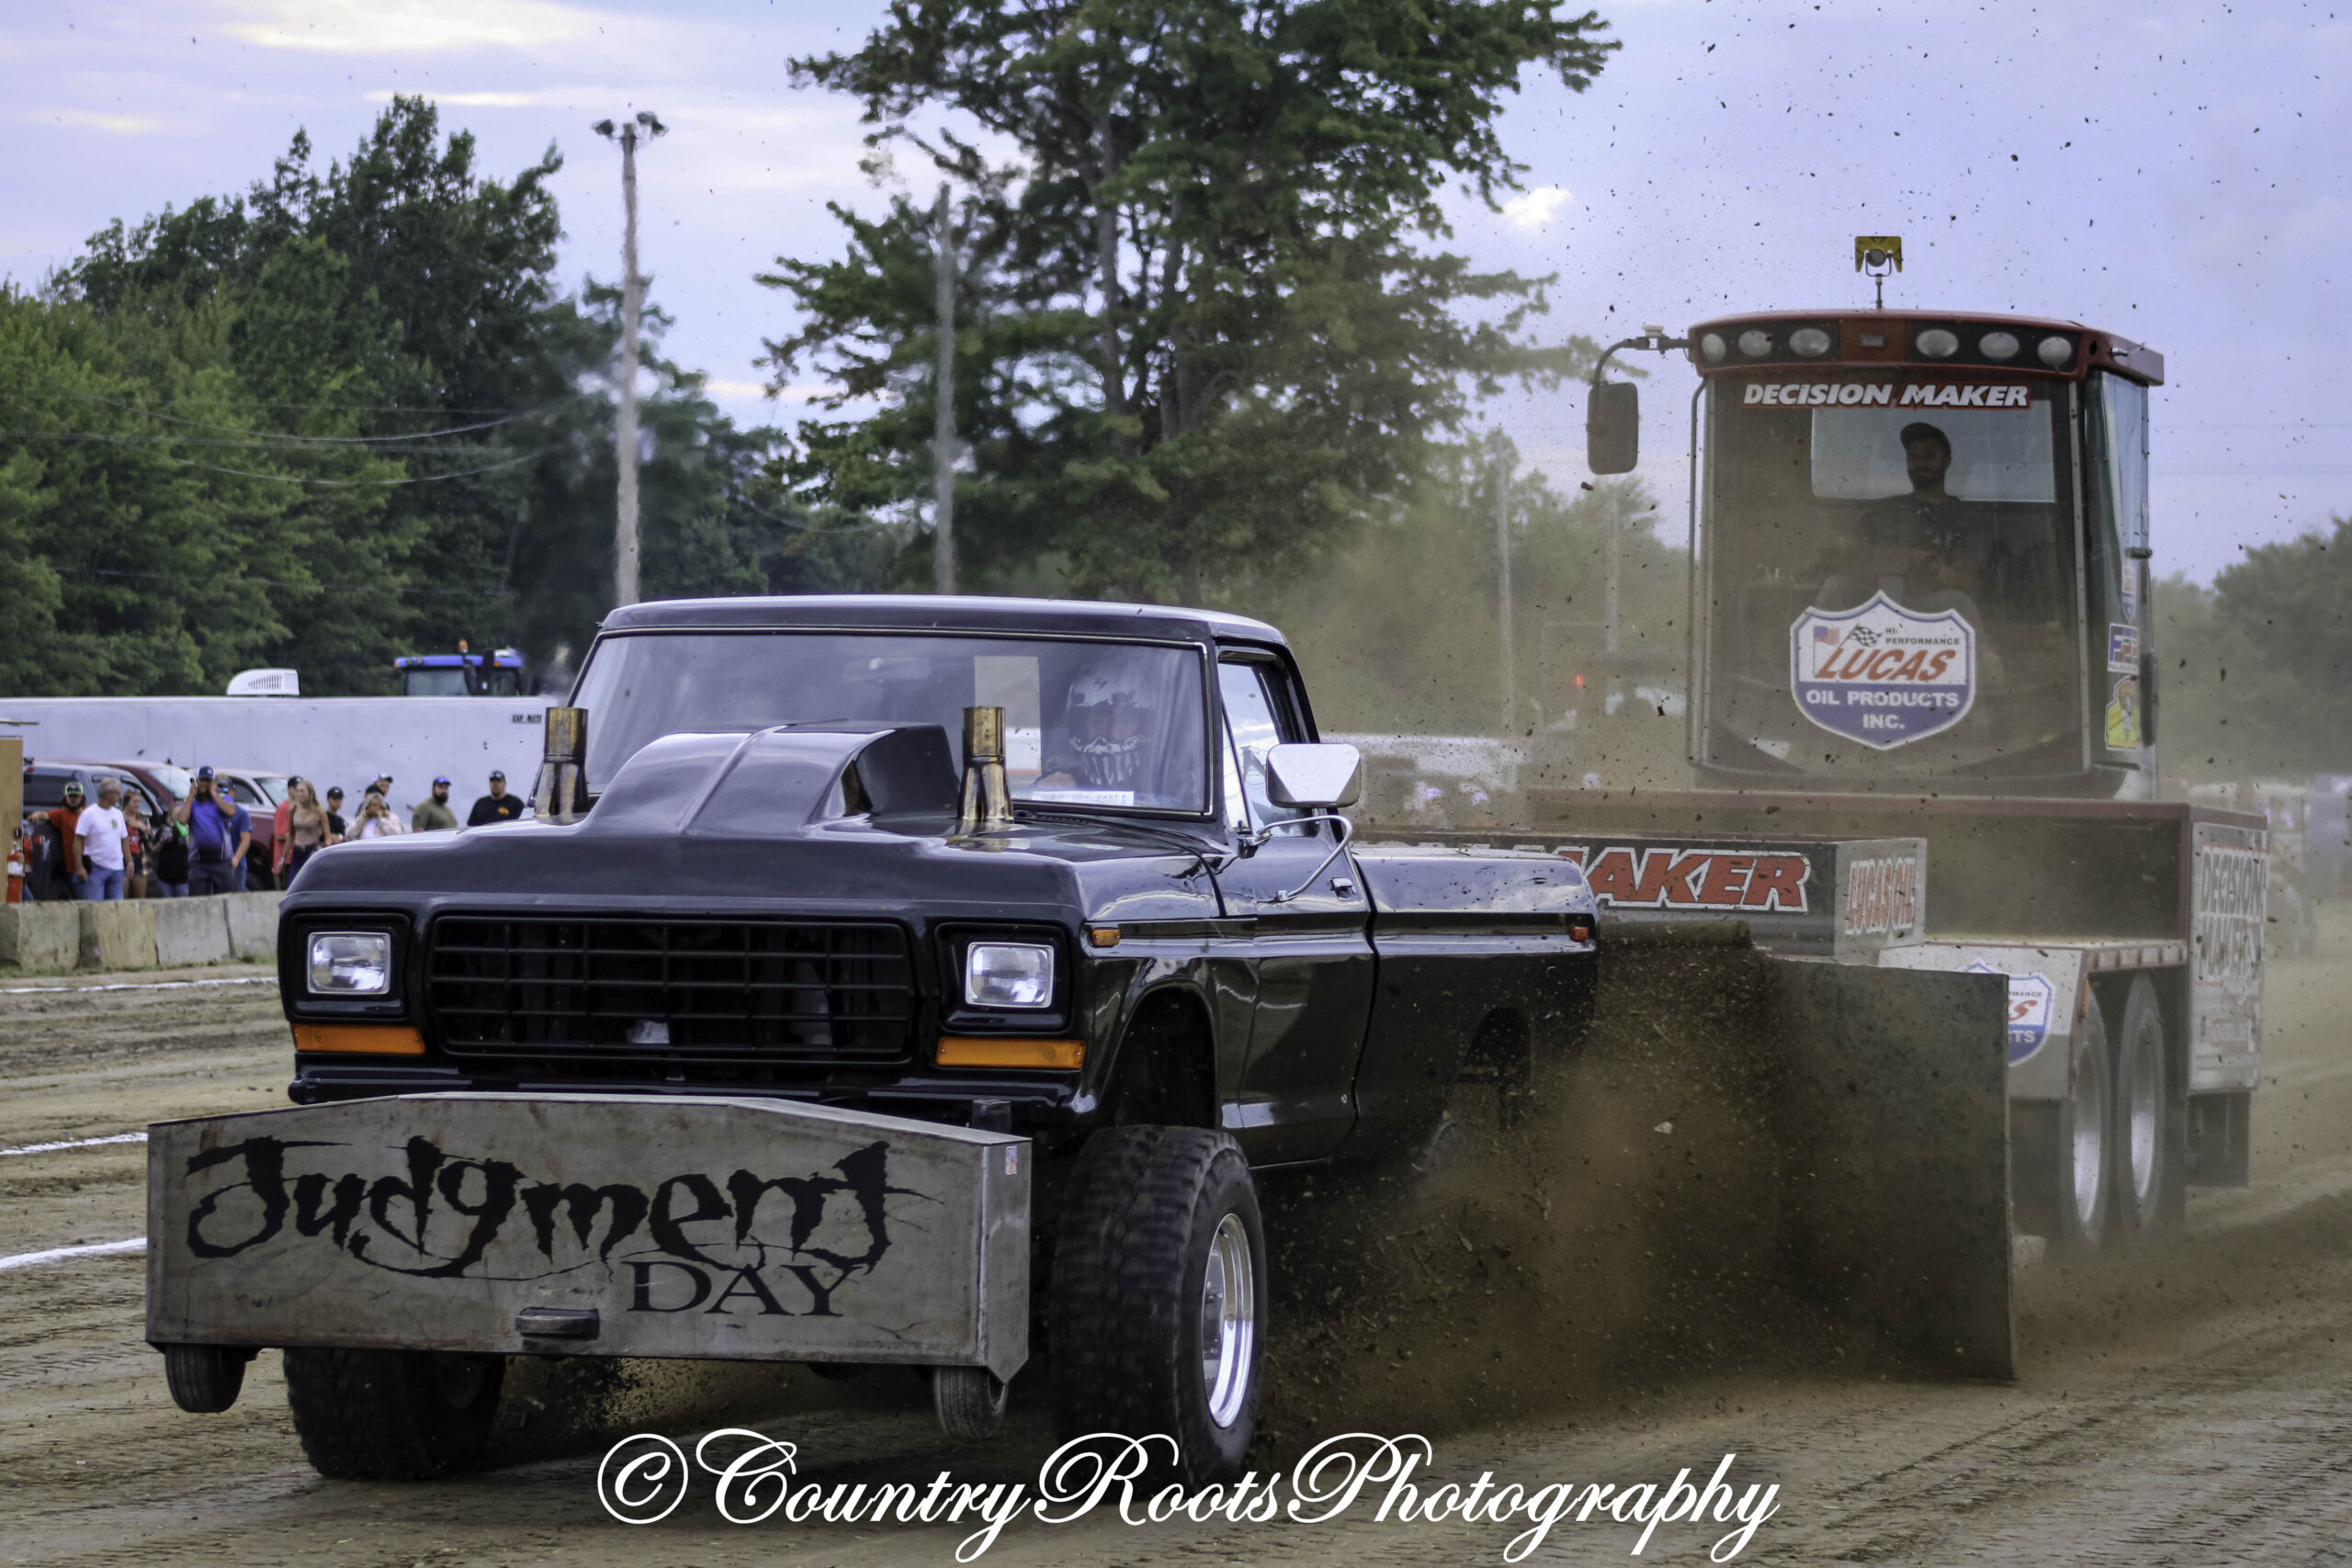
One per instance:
(2188,1403)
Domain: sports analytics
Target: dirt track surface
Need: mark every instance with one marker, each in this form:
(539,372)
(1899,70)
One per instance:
(2190,1405)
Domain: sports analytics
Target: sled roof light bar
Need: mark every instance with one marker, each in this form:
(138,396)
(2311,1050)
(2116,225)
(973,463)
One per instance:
(1917,339)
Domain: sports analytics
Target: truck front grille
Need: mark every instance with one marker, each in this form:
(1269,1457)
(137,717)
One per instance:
(821,993)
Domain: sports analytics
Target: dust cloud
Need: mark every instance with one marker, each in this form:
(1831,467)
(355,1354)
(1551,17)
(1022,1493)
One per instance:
(1623,1230)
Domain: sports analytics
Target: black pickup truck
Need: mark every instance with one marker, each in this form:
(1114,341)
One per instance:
(1078,984)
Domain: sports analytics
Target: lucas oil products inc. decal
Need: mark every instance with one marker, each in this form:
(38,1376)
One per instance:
(1881,674)
(2028,1011)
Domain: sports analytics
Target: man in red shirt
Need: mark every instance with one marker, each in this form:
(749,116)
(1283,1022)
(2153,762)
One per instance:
(64,820)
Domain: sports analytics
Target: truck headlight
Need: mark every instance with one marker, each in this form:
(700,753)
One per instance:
(351,964)
(1009,974)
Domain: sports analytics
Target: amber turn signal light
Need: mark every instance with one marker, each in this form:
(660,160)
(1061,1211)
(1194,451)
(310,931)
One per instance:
(1580,931)
(359,1039)
(1055,1056)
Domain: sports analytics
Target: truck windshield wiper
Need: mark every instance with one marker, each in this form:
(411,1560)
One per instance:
(1176,841)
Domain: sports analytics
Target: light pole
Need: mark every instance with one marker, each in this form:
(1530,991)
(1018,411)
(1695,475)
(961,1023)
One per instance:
(1503,605)
(942,533)
(632,304)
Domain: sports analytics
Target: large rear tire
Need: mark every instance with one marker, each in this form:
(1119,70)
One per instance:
(393,1414)
(2085,1143)
(1158,1313)
(2149,1129)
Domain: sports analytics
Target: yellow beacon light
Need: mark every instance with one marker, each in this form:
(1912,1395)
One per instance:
(1878,254)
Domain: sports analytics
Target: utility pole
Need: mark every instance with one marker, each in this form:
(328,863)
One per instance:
(1612,612)
(942,445)
(632,307)
(1502,551)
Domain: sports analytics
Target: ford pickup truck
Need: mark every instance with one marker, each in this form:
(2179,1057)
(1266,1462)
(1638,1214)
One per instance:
(784,1031)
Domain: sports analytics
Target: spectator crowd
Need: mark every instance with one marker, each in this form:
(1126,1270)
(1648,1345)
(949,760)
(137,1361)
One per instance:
(115,849)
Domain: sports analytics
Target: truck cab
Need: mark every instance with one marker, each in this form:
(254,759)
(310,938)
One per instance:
(503,673)
(1920,543)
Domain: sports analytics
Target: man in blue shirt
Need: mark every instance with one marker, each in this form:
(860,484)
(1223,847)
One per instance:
(218,833)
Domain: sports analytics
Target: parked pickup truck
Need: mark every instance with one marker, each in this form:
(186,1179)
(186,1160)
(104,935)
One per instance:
(785,1033)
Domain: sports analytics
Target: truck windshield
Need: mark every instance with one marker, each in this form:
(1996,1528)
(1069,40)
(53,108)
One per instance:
(1891,559)
(449,680)
(1116,725)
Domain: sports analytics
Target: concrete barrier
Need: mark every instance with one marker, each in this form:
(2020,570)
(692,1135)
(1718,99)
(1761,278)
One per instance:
(119,934)
(190,932)
(140,933)
(39,936)
(252,923)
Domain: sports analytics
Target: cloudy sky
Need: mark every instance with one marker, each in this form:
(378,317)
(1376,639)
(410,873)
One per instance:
(2173,172)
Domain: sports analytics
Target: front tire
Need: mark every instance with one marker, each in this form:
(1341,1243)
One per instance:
(204,1379)
(1157,1319)
(2086,1149)
(393,1414)
(970,1402)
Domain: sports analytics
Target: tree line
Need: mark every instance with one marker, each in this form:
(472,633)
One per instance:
(1209,345)
(2254,675)
(344,415)
(1207,340)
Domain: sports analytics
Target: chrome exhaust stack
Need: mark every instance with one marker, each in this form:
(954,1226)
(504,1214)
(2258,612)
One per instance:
(561,792)
(986,803)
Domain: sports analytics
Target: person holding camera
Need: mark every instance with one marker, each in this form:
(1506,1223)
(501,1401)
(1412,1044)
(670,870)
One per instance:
(218,834)
(167,856)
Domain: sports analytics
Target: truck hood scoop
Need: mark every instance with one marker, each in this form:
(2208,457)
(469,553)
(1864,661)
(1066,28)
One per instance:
(757,785)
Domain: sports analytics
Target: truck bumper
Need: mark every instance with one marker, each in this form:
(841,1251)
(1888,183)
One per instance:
(596,1225)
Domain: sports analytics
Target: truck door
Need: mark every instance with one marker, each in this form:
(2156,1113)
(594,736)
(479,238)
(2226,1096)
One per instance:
(1310,955)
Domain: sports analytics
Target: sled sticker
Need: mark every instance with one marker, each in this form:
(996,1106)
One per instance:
(2123,650)
(1881,674)
(2123,716)
(2028,1011)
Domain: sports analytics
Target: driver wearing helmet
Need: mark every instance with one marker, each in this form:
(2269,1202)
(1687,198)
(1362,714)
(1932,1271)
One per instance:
(1103,744)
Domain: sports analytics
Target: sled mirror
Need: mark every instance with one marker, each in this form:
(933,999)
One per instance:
(1613,427)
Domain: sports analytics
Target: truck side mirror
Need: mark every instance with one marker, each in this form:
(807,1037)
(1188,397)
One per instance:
(1613,427)
(1316,777)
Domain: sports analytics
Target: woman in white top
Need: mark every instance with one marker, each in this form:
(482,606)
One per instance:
(376,818)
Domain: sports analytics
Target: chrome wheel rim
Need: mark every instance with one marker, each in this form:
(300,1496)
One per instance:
(2089,1136)
(1228,1321)
(2146,1098)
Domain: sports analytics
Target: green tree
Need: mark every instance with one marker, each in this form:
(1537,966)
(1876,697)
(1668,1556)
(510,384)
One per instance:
(386,330)
(2256,670)
(1198,342)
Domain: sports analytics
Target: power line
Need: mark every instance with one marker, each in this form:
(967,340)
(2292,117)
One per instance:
(437,411)
(818,527)
(279,435)
(119,438)
(355,484)
(276,582)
